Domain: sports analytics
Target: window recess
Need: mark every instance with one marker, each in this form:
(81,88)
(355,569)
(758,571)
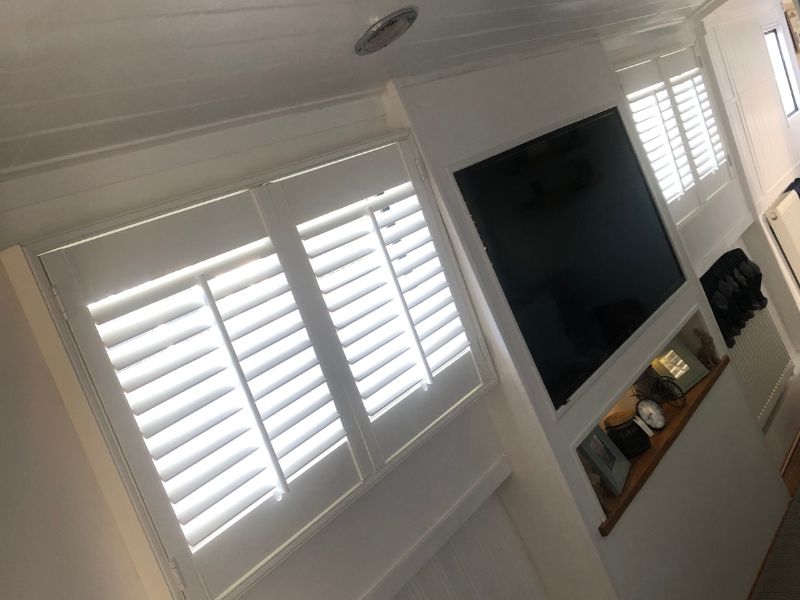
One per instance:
(783,69)
(261,356)
(677,129)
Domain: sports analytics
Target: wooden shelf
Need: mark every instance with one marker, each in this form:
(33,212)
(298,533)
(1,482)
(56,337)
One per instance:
(643,465)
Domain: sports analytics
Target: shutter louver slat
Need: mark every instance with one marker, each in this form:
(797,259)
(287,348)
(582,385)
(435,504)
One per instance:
(375,360)
(306,429)
(381,336)
(164,361)
(132,351)
(181,407)
(194,427)
(177,409)
(292,390)
(291,348)
(194,450)
(176,382)
(192,479)
(293,413)
(218,488)
(175,370)
(312,450)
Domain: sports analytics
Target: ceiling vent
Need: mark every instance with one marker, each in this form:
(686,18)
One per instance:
(386,30)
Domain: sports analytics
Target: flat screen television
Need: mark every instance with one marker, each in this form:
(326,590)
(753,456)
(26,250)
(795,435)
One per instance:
(572,231)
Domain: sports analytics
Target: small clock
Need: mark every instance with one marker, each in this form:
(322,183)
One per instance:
(650,412)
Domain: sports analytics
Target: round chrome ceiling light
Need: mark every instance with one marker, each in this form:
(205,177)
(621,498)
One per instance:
(386,30)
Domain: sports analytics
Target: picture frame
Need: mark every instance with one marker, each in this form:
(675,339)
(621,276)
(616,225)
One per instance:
(605,459)
(680,363)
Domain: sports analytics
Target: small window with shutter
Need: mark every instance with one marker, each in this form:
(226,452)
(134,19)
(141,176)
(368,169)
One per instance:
(675,122)
(261,356)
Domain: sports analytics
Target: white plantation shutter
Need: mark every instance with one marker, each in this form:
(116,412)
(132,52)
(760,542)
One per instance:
(375,261)
(658,130)
(675,123)
(260,355)
(221,392)
(385,287)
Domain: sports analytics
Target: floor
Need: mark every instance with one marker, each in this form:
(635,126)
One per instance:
(791,475)
(778,577)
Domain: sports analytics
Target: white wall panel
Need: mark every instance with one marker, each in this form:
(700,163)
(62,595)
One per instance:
(484,559)
(41,205)
(767,141)
(60,539)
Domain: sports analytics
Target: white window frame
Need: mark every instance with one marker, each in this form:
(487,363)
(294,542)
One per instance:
(694,197)
(789,68)
(164,550)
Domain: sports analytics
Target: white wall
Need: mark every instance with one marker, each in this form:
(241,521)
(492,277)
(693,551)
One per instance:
(59,537)
(460,118)
(484,559)
(701,535)
(769,144)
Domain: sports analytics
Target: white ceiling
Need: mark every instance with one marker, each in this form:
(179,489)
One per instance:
(84,75)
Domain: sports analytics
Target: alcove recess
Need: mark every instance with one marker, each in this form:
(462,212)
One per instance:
(687,341)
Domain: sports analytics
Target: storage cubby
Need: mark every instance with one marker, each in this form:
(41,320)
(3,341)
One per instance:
(605,461)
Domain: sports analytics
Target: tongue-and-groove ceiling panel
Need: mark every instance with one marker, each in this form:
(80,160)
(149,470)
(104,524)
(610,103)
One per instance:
(86,75)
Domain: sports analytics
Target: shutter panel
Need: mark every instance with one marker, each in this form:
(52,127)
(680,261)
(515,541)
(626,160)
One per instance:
(702,133)
(383,281)
(193,355)
(675,123)
(173,368)
(657,127)
(385,287)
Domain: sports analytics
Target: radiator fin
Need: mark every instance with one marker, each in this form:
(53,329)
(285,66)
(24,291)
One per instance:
(763,364)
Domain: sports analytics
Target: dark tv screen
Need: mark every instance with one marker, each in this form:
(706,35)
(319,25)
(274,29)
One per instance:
(573,234)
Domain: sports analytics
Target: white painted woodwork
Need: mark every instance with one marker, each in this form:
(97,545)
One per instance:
(458,120)
(484,559)
(768,141)
(53,511)
(712,530)
(139,285)
(80,77)
(178,172)
(710,227)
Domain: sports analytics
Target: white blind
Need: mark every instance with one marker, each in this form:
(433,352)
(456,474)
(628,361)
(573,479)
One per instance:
(697,119)
(385,287)
(658,131)
(279,343)
(675,123)
(167,340)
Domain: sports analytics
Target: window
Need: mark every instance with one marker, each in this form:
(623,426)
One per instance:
(261,355)
(784,74)
(675,122)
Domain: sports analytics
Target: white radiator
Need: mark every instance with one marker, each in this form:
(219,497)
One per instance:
(784,220)
(761,359)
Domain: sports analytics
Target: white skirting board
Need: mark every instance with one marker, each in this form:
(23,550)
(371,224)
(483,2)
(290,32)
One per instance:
(484,559)
(416,558)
